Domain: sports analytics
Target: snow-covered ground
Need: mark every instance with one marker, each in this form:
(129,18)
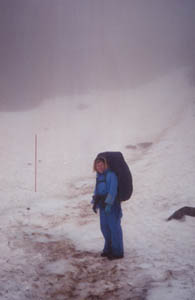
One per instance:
(50,239)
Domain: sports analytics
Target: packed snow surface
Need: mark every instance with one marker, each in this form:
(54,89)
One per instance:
(50,239)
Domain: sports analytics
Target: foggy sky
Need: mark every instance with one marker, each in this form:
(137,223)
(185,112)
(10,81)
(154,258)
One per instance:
(57,48)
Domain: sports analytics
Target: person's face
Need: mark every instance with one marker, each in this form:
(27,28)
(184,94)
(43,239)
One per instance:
(100,167)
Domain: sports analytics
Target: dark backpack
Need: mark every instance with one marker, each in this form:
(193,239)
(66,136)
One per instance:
(118,165)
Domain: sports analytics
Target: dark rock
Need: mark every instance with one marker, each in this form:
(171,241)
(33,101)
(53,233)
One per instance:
(184,211)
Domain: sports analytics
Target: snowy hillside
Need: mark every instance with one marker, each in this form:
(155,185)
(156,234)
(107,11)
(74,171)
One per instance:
(50,239)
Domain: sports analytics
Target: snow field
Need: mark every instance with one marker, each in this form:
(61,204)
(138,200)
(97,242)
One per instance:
(50,240)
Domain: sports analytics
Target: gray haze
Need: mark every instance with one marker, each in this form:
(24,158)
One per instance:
(63,47)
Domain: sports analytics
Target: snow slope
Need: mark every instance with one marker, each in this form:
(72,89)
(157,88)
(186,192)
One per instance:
(50,240)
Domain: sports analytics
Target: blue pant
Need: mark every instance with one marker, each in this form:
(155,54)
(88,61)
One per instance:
(110,225)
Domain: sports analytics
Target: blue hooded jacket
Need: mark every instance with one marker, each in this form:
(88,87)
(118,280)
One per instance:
(107,183)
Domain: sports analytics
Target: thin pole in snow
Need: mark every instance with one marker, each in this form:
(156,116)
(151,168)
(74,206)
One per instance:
(35,162)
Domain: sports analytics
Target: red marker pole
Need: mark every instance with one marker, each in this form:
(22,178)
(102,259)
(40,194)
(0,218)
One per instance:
(35,162)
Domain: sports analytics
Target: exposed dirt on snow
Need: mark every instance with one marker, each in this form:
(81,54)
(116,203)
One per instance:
(38,264)
(41,267)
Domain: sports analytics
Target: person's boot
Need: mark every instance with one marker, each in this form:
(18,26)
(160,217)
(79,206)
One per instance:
(113,257)
(105,254)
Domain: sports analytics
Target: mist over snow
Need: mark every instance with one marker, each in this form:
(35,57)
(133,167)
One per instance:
(54,48)
(86,77)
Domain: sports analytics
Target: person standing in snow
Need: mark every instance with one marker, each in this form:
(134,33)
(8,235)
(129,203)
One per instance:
(105,199)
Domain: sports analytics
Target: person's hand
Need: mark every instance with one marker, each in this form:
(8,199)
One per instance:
(94,208)
(108,209)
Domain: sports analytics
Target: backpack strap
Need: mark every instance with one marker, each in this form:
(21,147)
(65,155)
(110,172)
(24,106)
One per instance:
(102,180)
